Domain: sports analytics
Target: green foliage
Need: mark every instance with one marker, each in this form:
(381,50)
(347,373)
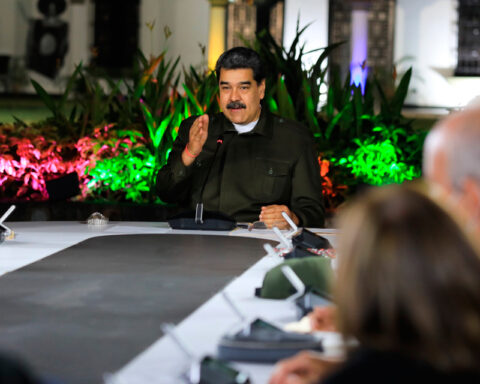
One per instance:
(65,123)
(293,91)
(202,92)
(378,148)
(365,136)
(391,107)
(377,162)
(125,176)
(360,138)
(93,104)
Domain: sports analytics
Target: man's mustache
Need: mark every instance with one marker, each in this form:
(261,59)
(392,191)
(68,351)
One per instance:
(236,105)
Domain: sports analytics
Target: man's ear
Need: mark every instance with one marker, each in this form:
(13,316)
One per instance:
(471,205)
(471,188)
(261,89)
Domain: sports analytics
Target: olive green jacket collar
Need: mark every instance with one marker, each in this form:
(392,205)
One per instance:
(261,128)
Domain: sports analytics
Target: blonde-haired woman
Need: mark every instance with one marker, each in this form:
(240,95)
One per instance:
(408,290)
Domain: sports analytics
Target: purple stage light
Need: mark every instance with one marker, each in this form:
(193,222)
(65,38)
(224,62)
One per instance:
(359,45)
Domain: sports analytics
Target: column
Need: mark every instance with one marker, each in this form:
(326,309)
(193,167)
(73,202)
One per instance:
(217,32)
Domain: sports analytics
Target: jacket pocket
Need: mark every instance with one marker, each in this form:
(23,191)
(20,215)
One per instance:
(273,179)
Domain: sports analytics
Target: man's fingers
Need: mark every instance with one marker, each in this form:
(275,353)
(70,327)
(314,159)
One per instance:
(275,208)
(278,224)
(198,134)
(200,125)
(275,222)
(204,120)
(271,215)
(196,128)
(274,211)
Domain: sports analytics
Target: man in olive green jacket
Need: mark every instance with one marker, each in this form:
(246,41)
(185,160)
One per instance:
(261,164)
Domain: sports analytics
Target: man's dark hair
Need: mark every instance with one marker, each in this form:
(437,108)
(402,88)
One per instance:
(241,57)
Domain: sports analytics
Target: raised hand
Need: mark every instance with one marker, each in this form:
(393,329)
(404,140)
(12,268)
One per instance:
(197,138)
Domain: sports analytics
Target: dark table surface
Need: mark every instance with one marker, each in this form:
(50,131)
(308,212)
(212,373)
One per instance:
(93,307)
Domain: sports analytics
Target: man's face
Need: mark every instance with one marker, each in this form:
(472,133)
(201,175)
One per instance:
(240,95)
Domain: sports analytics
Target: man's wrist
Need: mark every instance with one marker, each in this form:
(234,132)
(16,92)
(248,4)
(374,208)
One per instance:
(190,153)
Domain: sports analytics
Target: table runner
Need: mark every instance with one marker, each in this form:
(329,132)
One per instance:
(91,308)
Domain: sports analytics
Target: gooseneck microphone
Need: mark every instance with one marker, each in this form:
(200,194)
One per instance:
(200,219)
(199,207)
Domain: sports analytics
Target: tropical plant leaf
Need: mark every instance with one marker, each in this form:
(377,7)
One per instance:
(332,124)
(70,84)
(161,130)
(19,121)
(149,120)
(401,93)
(310,107)
(147,74)
(193,100)
(285,103)
(47,100)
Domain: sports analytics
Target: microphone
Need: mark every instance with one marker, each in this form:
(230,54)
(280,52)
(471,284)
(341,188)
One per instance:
(198,219)
(199,208)
(5,232)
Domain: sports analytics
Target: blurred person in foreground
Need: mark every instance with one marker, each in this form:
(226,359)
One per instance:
(407,290)
(451,167)
(451,163)
(265,164)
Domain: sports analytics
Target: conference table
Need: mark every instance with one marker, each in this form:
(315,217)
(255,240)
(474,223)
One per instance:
(85,304)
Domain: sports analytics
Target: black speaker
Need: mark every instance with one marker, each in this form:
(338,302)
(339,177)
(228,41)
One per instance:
(47,46)
(47,41)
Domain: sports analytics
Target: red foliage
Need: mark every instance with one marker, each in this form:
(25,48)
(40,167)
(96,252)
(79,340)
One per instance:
(27,162)
(332,193)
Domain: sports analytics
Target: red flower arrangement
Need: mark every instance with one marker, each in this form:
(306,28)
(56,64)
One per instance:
(27,162)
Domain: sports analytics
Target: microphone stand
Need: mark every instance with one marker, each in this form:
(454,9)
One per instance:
(198,219)
(199,207)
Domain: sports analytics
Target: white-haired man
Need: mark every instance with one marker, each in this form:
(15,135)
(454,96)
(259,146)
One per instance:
(451,166)
(451,163)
